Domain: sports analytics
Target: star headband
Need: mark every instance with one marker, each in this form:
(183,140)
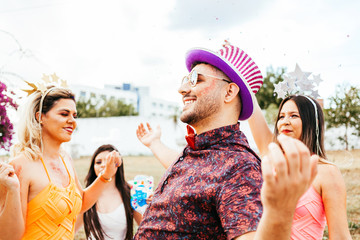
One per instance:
(42,86)
(298,82)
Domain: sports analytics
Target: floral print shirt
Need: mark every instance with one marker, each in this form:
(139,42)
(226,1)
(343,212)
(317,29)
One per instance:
(212,191)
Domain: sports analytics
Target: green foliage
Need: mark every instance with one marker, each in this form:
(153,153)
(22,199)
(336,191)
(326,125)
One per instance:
(271,113)
(344,110)
(100,107)
(266,96)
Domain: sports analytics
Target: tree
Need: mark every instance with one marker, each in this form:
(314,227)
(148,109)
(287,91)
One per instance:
(6,127)
(266,96)
(344,110)
(100,107)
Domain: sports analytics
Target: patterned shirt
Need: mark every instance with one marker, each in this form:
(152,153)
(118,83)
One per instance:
(212,191)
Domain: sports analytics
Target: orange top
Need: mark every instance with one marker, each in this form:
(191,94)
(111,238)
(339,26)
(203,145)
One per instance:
(52,213)
(309,218)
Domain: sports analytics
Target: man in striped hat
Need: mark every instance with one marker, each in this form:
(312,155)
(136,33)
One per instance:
(212,189)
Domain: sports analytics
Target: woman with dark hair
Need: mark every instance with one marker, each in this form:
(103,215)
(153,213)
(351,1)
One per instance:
(301,117)
(112,215)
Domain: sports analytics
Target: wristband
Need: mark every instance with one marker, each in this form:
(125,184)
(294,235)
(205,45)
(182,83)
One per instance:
(103,179)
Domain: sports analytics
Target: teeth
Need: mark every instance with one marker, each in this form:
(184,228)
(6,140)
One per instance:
(189,101)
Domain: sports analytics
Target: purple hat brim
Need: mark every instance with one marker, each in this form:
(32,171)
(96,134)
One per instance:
(214,59)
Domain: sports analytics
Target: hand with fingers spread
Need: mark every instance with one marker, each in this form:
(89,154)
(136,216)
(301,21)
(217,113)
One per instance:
(8,178)
(149,135)
(151,139)
(113,161)
(288,170)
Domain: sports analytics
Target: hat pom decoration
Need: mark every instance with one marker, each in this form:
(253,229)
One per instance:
(298,82)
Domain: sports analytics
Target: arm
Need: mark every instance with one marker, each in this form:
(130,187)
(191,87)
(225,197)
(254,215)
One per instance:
(12,204)
(260,130)
(91,194)
(151,139)
(334,197)
(138,217)
(288,173)
(79,222)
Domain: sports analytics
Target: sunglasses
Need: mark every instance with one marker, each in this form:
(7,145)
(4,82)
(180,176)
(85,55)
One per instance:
(193,76)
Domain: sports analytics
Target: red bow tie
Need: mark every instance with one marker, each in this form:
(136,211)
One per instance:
(190,138)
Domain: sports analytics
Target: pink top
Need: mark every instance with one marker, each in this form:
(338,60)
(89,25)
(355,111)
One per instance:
(309,219)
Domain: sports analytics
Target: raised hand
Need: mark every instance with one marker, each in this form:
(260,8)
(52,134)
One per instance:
(288,170)
(113,161)
(148,136)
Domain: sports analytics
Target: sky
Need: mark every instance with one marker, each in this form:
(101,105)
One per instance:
(144,42)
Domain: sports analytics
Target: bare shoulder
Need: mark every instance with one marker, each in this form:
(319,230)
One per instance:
(330,176)
(21,163)
(328,170)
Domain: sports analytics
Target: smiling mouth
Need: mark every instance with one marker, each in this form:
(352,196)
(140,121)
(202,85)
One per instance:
(188,102)
(69,130)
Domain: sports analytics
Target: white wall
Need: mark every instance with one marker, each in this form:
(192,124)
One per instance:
(121,132)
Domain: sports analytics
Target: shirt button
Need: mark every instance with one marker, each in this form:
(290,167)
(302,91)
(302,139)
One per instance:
(181,158)
(165,182)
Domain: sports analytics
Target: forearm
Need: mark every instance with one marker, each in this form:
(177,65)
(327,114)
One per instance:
(165,155)
(92,193)
(274,225)
(260,130)
(79,222)
(11,216)
(138,217)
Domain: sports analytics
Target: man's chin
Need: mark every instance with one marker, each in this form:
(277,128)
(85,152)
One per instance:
(185,118)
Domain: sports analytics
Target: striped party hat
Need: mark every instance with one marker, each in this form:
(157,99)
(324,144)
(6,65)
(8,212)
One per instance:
(238,66)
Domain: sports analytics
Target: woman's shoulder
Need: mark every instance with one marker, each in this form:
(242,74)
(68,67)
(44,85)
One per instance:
(330,175)
(20,160)
(327,168)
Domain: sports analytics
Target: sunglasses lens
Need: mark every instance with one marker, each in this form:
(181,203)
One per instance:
(193,78)
(184,80)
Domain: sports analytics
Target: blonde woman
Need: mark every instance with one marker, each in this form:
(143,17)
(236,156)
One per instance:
(40,194)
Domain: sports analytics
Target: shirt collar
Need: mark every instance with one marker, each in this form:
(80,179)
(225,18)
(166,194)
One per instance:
(209,138)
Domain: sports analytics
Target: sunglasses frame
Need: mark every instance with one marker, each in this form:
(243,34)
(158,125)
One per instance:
(193,76)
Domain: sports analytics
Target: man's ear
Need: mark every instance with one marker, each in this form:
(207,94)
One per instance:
(232,91)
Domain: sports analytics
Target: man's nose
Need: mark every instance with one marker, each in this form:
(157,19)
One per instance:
(184,88)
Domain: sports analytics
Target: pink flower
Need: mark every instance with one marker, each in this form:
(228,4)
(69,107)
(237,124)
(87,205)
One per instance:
(6,127)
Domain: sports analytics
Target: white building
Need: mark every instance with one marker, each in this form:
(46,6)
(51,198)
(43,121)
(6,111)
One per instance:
(139,97)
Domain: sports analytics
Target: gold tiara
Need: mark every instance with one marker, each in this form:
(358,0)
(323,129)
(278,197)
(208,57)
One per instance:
(47,80)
